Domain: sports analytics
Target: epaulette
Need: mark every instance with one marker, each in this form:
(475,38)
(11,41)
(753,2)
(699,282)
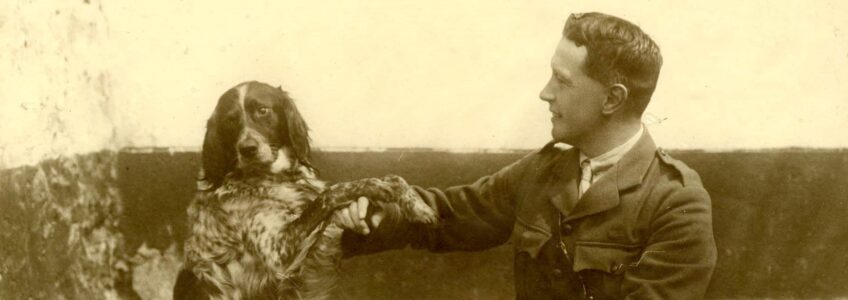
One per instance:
(689,176)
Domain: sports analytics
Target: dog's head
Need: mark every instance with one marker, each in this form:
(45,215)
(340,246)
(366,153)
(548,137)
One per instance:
(255,128)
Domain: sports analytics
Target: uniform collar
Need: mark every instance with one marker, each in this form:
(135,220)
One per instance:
(603,162)
(558,178)
(605,193)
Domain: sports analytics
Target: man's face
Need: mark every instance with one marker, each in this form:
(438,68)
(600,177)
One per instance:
(574,99)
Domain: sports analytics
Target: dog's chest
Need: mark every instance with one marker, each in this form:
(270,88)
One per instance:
(238,215)
(246,202)
(271,207)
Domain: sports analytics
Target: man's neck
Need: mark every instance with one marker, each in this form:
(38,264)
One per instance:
(607,138)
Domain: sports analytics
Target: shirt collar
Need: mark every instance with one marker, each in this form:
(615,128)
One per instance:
(610,158)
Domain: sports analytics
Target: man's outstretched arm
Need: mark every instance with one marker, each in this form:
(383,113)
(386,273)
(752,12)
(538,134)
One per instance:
(471,217)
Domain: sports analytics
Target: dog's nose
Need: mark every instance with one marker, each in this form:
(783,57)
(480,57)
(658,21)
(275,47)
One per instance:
(248,148)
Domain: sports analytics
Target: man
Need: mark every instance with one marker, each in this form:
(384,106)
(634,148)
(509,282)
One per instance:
(612,217)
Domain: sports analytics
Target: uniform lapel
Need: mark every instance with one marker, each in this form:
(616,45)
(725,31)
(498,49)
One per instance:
(562,187)
(605,193)
(536,218)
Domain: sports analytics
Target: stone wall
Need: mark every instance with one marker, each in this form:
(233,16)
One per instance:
(59,237)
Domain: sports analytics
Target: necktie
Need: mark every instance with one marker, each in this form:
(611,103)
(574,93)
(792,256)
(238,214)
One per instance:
(585,177)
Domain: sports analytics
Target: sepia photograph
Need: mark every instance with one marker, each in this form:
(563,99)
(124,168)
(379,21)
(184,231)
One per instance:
(555,149)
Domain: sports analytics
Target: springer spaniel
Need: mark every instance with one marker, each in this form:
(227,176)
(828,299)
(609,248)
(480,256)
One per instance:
(262,225)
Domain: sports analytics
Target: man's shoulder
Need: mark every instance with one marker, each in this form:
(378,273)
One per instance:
(541,162)
(554,149)
(674,183)
(679,170)
(552,153)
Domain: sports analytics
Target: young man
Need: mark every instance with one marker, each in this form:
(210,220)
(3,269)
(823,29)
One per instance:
(612,217)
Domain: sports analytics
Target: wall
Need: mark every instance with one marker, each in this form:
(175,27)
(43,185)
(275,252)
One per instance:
(59,205)
(776,220)
(81,76)
(56,81)
(444,74)
(59,237)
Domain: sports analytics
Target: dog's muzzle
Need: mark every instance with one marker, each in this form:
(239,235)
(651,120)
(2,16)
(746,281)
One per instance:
(248,148)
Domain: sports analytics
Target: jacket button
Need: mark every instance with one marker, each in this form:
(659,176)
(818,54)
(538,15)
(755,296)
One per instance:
(565,229)
(557,272)
(616,268)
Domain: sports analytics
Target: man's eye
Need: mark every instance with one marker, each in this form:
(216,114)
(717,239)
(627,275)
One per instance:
(560,79)
(263,111)
(563,82)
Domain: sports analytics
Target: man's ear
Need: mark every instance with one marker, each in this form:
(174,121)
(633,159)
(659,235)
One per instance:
(617,96)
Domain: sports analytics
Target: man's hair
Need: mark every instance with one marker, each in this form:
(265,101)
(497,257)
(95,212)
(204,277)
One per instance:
(617,52)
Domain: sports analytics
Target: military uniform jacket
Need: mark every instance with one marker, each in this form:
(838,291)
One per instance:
(642,231)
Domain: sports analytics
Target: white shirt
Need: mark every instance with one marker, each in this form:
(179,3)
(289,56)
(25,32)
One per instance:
(602,164)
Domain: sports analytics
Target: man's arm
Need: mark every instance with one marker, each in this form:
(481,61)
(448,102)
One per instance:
(471,217)
(681,252)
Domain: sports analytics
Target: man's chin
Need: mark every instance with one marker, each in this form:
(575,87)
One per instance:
(560,137)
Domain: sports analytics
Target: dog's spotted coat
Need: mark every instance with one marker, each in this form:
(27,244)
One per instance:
(262,223)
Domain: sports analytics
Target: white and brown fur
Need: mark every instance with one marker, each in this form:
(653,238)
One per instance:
(262,223)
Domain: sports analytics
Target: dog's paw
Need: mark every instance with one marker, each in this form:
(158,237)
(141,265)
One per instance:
(417,211)
(412,205)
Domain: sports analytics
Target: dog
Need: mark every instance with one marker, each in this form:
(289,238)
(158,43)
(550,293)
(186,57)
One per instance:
(262,225)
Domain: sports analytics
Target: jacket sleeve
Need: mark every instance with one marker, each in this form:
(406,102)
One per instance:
(471,217)
(680,255)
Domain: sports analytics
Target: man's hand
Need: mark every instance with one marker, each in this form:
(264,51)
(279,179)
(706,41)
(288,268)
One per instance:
(354,217)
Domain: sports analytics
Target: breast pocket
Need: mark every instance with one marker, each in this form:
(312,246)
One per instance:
(610,258)
(602,266)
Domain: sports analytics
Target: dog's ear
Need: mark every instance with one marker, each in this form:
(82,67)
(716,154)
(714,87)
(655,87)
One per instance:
(296,131)
(216,158)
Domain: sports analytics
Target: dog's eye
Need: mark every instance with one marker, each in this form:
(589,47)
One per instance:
(263,111)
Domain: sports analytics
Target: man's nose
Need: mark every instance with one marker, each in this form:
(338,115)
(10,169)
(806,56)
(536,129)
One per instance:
(547,93)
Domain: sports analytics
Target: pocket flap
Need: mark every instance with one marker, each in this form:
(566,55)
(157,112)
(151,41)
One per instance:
(606,257)
(528,238)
